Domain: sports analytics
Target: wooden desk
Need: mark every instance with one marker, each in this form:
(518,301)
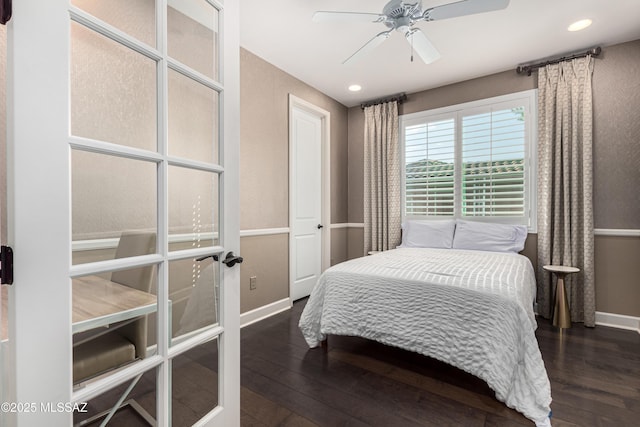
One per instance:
(98,302)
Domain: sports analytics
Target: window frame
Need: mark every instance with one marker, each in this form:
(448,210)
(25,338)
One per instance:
(527,99)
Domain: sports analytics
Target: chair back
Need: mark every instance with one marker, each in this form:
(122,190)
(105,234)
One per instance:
(136,243)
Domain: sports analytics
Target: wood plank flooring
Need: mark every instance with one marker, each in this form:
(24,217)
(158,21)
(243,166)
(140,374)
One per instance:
(594,373)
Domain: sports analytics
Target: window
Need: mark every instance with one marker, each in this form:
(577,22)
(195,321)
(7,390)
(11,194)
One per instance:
(473,161)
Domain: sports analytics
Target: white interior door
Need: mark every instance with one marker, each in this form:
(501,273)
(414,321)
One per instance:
(306,201)
(114,125)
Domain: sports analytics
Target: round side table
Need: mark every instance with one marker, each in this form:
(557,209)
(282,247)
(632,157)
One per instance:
(561,313)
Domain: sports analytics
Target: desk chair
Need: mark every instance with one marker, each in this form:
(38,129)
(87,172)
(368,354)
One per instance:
(126,341)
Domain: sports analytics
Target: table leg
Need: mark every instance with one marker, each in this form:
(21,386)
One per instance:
(561,313)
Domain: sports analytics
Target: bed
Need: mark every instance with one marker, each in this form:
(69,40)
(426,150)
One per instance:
(472,309)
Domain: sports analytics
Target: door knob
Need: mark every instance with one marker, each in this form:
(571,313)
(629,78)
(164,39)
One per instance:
(230,260)
(320,226)
(215,257)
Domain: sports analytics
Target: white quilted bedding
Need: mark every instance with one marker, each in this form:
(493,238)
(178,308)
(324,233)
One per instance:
(471,309)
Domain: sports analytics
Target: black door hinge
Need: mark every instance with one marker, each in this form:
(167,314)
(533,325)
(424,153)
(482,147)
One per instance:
(6,265)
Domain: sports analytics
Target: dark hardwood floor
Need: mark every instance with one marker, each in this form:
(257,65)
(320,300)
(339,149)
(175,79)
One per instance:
(594,373)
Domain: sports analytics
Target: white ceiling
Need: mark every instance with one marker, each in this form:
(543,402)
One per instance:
(282,33)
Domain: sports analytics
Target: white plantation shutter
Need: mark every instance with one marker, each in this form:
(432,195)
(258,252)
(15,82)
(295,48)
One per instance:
(429,168)
(493,163)
(475,160)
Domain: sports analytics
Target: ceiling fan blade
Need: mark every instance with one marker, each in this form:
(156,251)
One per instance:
(323,16)
(369,46)
(462,8)
(422,45)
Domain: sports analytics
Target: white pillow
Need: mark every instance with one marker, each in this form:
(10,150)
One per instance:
(483,236)
(428,234)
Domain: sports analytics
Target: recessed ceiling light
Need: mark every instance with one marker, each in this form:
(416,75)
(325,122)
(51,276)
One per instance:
(579,25)
(355,88)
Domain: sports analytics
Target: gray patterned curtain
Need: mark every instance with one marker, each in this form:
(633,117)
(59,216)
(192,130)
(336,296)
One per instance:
(565,177)
(382,214)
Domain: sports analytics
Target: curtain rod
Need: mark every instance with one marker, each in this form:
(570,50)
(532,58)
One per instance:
(528,68)
(399,97)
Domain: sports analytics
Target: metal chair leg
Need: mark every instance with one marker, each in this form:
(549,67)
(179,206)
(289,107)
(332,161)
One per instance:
(121,403)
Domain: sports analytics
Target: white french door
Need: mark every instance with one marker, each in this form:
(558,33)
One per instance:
(123,119)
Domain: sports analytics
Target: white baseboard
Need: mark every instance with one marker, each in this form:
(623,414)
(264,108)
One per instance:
(612,320)
(265,311)
(619,321)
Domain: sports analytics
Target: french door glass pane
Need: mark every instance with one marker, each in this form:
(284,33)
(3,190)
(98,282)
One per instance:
(194,295)
(142,395)
(136,18)
(192,35)
(193,119)
(114,318)
(110,195)
(194,384)
(193,207)
(113,91)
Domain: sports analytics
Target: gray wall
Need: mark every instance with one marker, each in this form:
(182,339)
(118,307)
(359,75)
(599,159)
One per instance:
(264,169)
(616,99)
(616,147)
(264,175)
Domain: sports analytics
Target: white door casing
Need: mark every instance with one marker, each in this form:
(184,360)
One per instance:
(309,201)
(39,226)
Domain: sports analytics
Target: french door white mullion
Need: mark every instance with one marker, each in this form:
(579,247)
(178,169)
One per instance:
(194,164)
(227,379)
(195,333)
(194,253)
(80,270)
(163,390)
(108,148)
(194,341)
(111,32)
(221,145)
(194,75)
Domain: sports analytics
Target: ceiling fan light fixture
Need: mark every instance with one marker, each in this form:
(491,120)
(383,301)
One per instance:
(579,25)
(355,88)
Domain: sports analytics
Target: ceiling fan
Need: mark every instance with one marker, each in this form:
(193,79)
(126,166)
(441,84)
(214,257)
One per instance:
(402,15)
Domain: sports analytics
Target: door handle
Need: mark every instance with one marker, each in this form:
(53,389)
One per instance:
(230,260)
(215,257)
(6,265)
(320,226)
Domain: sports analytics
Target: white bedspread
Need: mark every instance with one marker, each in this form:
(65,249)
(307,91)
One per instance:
(471,309)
